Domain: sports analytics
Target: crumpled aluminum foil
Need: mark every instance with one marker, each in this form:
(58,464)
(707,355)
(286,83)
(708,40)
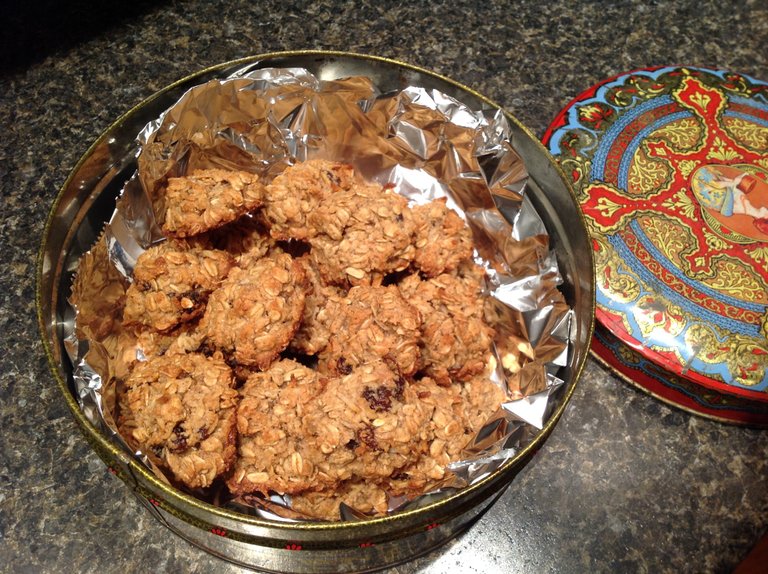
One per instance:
(428,145)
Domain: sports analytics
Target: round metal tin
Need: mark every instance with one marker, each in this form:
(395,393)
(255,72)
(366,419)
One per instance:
(670,167)
(86,201)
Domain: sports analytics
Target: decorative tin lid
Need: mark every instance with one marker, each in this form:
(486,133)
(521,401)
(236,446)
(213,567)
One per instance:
(678,391)
(670,166)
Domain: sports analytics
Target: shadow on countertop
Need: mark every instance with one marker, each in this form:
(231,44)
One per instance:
(34,29)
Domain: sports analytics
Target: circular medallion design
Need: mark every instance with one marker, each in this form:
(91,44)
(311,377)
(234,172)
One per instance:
(670,166)
(733,197)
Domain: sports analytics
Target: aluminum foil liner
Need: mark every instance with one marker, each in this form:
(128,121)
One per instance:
(429,146)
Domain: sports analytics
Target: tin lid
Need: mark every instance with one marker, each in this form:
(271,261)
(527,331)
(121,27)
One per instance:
(674,390)
(670,166)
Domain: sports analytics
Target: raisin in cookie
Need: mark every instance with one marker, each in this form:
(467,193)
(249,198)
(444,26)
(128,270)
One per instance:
(253,315)
(207,199)
(180,409)
(171,284)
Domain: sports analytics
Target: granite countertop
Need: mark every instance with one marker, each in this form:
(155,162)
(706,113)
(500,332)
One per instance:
(624,483)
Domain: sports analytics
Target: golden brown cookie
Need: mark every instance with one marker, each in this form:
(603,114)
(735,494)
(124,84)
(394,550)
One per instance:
(98,293)
(367,424)
(207,199)
(442,241)
(298,191)
(363,496)
(180,409)
(253,315)
(481,399)
(314,331)
(362,235)
(459,411)
(372,323)
(272,452)
(456,341)
(171,284)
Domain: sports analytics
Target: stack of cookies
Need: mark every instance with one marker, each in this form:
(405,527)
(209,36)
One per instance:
(314,336)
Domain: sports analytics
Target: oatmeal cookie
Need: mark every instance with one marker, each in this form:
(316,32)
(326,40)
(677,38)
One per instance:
(253,315)
(298,191)
(443,240)
(207,199)
(272,454)
(171,284)
(481,399)
(372,323)
(459,411)
(247,237)
(362,235)
(363,497)
(181,410)
(456,341)
(114,356)
(314,331)
(98,293)
(367,424)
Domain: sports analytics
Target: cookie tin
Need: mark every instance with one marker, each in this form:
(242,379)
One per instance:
(670,167)
(86,201)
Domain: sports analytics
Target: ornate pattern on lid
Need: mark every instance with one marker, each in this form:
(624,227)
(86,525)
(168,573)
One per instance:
(670,166)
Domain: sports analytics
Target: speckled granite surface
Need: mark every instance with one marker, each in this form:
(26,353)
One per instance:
(624,483)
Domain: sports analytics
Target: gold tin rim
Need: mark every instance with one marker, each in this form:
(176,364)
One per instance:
(172,494)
